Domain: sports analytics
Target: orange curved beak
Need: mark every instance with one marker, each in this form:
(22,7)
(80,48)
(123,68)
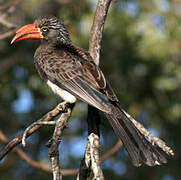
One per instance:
(27,32)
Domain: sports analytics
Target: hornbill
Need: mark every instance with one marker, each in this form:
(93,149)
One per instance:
(72,74)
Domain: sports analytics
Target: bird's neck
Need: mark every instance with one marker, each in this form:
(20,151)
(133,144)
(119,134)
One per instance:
(67,47)
(76,51)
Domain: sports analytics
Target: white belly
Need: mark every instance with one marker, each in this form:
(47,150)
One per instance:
(66,96)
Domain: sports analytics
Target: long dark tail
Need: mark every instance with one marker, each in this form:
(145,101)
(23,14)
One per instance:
(139,149)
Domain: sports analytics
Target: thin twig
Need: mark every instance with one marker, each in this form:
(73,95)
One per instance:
(14,142)
(39,122)
(6,23)
(5,6)
(9,11)
(7,34)
(10,4)
(109,153)
(24,156)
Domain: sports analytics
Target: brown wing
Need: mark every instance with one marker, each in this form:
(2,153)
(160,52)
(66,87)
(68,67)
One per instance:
(83,79)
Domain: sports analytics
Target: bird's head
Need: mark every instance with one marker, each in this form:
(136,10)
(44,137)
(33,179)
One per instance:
(48,29)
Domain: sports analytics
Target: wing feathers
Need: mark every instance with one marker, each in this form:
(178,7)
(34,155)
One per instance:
(76,73)
(82,90)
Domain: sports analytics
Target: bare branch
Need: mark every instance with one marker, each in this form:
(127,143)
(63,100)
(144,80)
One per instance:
(91,157)
(6,23)
(64,172)
(97,29)
(10,4)
(53,144)
(59,109)
(10,10)
(84,170)
(94,152)
(33,163)
(5,6)
(114,149)
(25,157)
(7,34)
(93,120)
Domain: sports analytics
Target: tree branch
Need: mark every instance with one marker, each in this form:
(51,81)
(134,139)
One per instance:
(109,153)
(97,29)
(24,156)
(14,142)
(7,34)
(33,163)
(9,5)
(64,172)
(10,9)
(91,157)
(53,144)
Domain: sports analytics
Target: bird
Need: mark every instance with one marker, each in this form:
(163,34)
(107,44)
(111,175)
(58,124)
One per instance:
(72,74)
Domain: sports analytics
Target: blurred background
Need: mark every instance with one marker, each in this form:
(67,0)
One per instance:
(140,56)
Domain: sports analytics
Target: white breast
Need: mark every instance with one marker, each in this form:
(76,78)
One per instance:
(66,96)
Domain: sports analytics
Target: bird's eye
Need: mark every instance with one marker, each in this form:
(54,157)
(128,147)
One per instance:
(44,29)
